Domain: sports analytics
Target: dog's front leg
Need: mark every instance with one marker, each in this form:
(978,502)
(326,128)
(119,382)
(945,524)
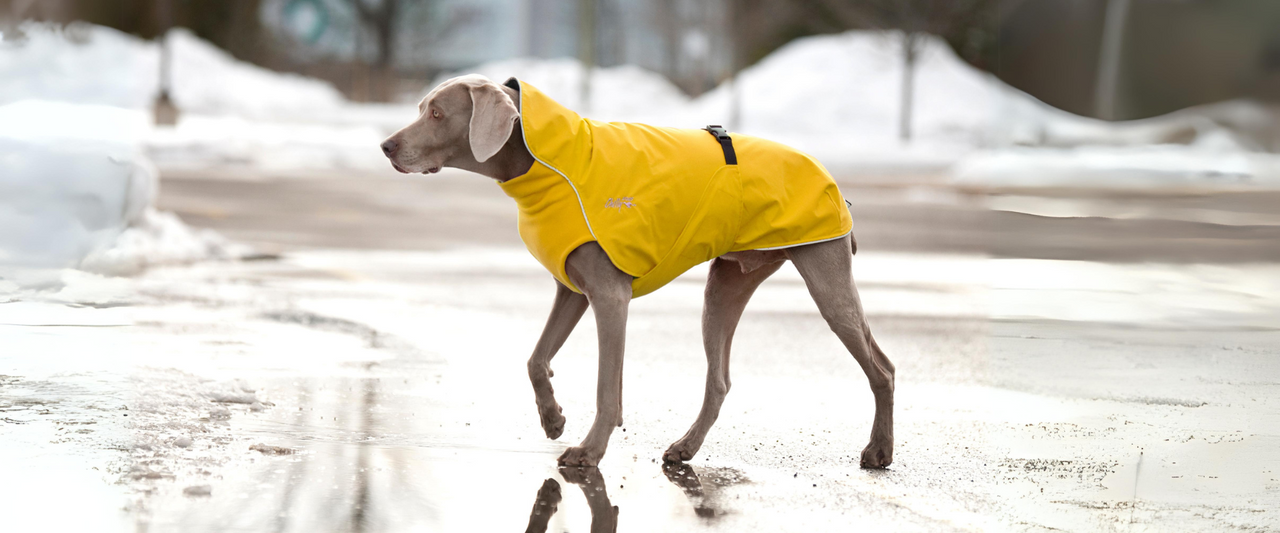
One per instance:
(565,314)
(609,292)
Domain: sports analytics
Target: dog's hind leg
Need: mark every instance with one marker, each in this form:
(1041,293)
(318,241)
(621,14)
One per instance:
(727,293)
(567,310)
(826,269)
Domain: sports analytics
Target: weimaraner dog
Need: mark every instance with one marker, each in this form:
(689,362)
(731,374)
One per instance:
(472,123)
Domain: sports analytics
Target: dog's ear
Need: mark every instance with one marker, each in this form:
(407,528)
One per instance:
(492,115)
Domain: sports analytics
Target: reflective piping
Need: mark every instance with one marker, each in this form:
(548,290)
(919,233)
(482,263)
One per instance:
(847,204)
(799,243)
(525,135)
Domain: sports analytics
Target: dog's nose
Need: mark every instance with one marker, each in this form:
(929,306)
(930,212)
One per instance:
(389,147)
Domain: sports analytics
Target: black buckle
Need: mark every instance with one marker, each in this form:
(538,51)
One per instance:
(726,143)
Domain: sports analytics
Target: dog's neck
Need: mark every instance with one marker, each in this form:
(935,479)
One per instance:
(512,161)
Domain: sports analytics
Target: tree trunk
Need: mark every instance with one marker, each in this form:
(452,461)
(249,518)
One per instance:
(910,45)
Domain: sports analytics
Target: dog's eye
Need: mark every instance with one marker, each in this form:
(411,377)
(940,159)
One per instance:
(435,114)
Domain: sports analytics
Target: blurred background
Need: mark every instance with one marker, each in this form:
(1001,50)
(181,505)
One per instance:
(1111,60)
(1068,217)
(1134,95)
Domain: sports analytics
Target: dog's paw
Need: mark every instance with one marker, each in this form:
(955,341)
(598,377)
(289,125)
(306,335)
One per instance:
(679,452)
(878,454)
(552,421)
(549,494)
(580,456)
(547,504)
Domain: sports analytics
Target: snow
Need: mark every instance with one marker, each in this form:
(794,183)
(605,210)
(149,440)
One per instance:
(73,179)
(848,86)
(77,192)
(837,97)
(81,64)
(233,113)
(160,238)
(1119,167)
(231,141)
(89,64)
(622,93)
(834,96)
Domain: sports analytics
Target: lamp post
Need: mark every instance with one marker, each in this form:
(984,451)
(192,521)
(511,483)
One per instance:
(586,48)
(165,112)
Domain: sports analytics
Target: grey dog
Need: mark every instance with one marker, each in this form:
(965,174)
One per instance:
(472,123)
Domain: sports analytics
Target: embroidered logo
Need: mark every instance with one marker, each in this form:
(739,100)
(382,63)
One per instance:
(619,203)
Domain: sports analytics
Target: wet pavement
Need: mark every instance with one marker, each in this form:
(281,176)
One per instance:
(382,387)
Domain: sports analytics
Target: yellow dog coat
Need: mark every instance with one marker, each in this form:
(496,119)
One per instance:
(661,200)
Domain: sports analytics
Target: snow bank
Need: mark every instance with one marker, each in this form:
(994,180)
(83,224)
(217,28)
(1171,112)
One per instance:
(206,141)
(1114,167)
(160,238)
(1228,144)
(89,64)
(76,191)
(80,64)
(73,178)
(208,80)
(838,96)
(849,86)
(835,96)
(233,113)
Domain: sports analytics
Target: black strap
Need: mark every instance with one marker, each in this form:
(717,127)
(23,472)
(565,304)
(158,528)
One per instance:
(717,131)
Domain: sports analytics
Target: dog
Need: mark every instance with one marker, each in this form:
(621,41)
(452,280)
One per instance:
(544,156)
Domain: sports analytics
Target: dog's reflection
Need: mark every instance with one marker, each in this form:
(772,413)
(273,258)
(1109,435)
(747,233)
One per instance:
(604,516)
(685,477)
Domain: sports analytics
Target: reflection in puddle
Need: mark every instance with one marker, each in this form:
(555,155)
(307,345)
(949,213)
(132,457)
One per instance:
(377,454)
(545,505)
(702,496)
(685,477)
(604,516)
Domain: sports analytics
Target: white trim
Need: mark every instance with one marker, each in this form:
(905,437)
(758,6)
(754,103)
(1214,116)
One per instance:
(799,243)
(525,137)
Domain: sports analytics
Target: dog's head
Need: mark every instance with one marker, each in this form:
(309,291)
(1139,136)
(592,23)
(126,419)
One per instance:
(468,118)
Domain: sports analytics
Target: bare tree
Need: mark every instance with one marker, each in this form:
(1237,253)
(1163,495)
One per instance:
(380,17)
(397,24)
(914,20)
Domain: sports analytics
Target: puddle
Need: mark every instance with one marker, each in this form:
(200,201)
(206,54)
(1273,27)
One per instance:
(367,454)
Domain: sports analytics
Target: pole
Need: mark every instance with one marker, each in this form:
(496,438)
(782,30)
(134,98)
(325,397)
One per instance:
(165,113)
(1105,96)
(586,48)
